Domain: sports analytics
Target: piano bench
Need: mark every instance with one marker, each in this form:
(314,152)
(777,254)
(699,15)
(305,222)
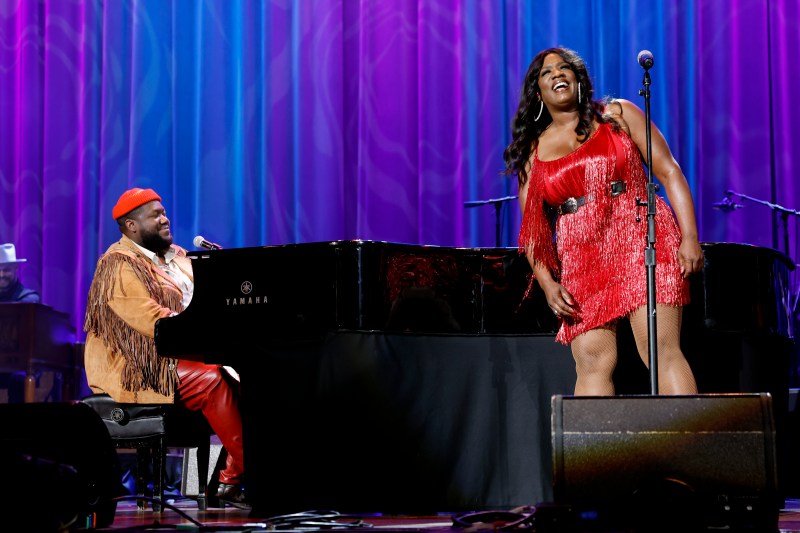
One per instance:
(150,429)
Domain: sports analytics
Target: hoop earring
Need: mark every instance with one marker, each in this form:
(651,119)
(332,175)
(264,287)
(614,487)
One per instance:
(541,108)
(579,93)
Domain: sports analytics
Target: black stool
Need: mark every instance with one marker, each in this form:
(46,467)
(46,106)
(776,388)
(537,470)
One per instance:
(150,429)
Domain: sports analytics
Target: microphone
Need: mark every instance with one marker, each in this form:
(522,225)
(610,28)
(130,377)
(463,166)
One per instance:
(726,205)
(200,242)
(645,59)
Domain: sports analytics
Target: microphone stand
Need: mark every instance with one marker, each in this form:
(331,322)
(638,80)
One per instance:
(784,211)
(498,206)
(650,251)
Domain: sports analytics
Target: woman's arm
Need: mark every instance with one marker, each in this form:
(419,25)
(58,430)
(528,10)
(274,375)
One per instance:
(558,298)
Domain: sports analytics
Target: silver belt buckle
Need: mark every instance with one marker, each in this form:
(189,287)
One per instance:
(570,205)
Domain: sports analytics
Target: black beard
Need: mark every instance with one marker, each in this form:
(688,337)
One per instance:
(156,243)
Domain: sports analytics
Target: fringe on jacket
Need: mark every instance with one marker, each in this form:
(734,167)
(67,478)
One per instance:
(143,368)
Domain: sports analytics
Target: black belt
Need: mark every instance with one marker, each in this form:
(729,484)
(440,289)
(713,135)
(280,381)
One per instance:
(572,204)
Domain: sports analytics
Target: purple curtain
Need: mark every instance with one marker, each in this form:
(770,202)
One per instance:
(314,120)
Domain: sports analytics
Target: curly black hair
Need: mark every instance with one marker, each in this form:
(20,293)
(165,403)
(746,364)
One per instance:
(525,130)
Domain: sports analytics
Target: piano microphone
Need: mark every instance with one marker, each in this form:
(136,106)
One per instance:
(726,205)
(200,242)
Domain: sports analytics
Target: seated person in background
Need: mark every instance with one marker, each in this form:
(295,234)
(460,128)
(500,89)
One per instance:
(13,291)
(11,288)
(140,279)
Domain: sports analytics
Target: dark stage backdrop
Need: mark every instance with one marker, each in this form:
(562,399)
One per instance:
(272,122)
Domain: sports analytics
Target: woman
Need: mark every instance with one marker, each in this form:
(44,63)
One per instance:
(580,173)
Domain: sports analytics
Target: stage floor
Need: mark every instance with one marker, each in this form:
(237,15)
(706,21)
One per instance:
(129,518)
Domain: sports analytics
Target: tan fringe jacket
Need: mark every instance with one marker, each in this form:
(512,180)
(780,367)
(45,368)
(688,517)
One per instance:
(129,293)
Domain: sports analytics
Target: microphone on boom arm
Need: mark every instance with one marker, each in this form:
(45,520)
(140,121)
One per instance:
(726,205)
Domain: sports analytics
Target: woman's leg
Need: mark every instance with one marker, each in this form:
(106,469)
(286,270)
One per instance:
(595,354)
(674,373)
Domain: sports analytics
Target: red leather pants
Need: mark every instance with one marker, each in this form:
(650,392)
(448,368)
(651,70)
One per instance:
(203,388)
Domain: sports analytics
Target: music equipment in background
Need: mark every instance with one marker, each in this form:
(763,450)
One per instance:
(780,215)
(36,337)
(498,208)
(727,204)
(255,306)
(694,462)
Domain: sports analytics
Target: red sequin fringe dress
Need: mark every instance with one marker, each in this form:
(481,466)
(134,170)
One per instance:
(597,252)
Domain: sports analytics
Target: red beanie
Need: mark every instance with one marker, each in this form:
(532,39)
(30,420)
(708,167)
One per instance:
(131,199)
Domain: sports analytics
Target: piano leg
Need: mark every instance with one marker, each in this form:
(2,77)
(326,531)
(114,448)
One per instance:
(30,387)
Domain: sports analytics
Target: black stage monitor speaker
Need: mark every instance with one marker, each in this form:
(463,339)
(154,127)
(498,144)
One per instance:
(60,469)
(677,463)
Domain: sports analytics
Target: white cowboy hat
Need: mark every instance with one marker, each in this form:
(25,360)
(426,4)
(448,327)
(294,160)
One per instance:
(8,254)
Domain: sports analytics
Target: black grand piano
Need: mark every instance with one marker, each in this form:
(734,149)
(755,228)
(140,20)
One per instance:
(401,378)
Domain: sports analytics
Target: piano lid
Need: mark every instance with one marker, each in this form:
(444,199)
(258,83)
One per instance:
(247,298)
(286,293)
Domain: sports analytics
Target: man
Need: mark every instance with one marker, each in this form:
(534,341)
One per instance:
(13,291)
(140,279)
(11,288)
